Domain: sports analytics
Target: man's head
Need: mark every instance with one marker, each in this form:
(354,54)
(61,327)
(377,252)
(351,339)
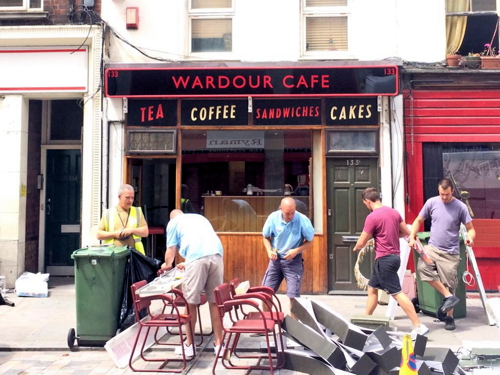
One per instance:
(175,213)
(126,196)
(288,207)
(370,195)
(446,191)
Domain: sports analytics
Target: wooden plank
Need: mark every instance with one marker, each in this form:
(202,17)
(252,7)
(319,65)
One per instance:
(452,112)
(453,103)
(445,121)
(246,258)
(458,94)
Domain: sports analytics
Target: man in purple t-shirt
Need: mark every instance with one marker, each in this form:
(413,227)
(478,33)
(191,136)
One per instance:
(386,227)
(446,214)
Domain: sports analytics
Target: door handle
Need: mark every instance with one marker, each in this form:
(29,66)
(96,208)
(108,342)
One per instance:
(350,239)
(47,206)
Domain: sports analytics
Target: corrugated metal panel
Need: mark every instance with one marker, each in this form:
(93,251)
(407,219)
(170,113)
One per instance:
(452,113)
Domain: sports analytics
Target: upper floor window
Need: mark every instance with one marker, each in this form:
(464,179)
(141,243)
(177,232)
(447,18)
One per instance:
(470,26)
(21,5)
(211,25)
(325,27)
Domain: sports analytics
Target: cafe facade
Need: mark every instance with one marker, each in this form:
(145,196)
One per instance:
(230,142)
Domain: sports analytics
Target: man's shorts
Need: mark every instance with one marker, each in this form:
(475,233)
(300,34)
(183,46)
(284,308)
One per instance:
(203,274)
(385,274)
(290,270)
(444,269)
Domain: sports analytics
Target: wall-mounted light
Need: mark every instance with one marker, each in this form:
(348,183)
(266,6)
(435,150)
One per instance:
(132,17)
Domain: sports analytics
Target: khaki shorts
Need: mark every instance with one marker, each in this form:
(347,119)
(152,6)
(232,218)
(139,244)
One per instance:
(202,275)
(445,268)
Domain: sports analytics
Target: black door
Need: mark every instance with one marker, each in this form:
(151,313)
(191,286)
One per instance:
(347,178)
(62,208)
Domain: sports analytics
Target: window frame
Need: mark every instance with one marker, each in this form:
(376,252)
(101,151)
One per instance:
(209,14)
(324,12)
(24,8)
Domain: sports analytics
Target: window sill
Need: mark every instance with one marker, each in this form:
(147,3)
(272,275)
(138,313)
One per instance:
(23,15)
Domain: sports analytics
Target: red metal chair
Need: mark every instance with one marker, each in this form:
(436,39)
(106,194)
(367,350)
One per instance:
(180,302)
(269,329)
(275,312)
(157,321)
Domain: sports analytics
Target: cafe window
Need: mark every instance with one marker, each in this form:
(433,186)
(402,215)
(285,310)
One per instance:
(325,27)
(474,169)
(237,178)
(211,25)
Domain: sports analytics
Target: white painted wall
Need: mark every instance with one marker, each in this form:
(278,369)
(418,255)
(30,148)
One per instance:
(270,30)
(13,168)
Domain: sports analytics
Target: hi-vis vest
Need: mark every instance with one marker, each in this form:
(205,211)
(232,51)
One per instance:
(134,220)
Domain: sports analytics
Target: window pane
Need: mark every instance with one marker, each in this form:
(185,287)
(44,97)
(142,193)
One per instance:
(11,3)
(219,166)
(484,5)
(356,141)
(35,4)
(475,170)
(326,34)
(211,35)
(326,3)
(200,4)
(66,120)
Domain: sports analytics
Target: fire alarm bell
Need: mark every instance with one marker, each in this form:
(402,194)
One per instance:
(132,18)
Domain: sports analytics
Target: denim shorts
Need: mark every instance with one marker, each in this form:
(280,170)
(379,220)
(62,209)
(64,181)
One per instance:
(385,274)
(290,270)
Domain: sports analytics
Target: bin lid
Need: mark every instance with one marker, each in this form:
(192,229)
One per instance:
(102,251)
(424,236)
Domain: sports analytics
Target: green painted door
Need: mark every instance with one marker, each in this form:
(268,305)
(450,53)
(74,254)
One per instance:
(62,208)
(347,178)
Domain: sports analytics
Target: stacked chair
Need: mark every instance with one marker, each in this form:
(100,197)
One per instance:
(246,317)
(174,319)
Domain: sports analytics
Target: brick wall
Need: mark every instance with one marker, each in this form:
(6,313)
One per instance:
(59,13)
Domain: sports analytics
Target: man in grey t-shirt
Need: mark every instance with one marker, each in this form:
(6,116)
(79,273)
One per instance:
(447,214)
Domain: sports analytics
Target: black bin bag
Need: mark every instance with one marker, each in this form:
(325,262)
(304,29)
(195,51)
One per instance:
(139,267)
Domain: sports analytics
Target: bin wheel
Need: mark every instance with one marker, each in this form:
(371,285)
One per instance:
(71,338)
(415,304)
(439,314)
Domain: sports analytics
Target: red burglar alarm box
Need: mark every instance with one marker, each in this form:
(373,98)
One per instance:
(132,17)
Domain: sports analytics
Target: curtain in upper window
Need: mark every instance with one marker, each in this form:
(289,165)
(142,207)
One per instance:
(455,25)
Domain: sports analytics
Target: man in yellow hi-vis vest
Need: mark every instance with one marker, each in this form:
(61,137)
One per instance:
(124,224)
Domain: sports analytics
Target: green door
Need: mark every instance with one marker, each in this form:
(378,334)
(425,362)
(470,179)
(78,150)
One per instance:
(347,178)
(62,209)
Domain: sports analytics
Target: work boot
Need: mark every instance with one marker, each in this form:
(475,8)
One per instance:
(449,303)
(449,323)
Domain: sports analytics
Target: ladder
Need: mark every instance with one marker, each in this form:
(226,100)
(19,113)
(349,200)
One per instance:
(472,260)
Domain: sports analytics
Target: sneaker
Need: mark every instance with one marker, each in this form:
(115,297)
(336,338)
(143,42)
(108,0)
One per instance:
(449,323)
(422,331)
(449,303)
(216,349)
(188,350)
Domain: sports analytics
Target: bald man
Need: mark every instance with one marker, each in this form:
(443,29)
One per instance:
(194,238)
(286,235)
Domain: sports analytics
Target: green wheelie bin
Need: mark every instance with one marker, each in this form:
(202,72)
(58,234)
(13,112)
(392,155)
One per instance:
(428,300)
(99,277)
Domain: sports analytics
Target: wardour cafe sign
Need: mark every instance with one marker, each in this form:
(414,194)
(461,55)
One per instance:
(251,82)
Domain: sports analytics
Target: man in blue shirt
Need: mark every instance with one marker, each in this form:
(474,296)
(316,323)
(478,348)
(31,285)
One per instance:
(195,239)
(287,234)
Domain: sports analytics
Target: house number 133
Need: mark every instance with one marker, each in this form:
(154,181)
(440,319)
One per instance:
(353,162)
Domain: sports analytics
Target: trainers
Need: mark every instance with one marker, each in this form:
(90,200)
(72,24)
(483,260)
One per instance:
(216,349)
(422,331)
(188,350)
(449,323)
(449,303)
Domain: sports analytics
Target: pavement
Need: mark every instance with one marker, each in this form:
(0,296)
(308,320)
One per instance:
(33,333)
